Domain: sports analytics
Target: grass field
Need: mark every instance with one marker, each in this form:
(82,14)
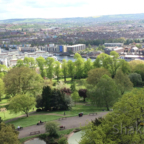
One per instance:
(3,101)
(33,120)
(86,109)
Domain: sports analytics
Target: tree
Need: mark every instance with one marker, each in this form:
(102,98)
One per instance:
(75,96)
(88,65)
(135,79)
(134,63)
(8,134)
(94,75)
(57,69)
(139,45)
(123,82)
(50,67)
(111,63)
(41,63)
(82,93)
(21,103)
(139,68)
(105,93)
(46,97)
(52,128)
(71,69)
(73,87)
(30,62)
(20,63)
(79,63)
(124,66)
(3,70)
(120,126)
(2,88)
(64,69)
(23,80)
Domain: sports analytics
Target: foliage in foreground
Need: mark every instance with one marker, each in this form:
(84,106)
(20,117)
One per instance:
(52,128)
(8,134)
(120,126)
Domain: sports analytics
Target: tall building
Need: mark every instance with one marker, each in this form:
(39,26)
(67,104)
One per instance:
(75,48)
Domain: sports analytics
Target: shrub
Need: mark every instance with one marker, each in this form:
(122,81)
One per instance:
(43,136)
(63,140)
(38,110)
(52,128)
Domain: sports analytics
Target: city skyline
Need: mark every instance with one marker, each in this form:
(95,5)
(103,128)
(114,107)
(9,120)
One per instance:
(11,9)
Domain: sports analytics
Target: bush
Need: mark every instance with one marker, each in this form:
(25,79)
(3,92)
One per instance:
(43,136)
(52,128)
(63,140)
(38,110)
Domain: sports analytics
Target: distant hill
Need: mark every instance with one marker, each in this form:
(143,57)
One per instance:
(105,18)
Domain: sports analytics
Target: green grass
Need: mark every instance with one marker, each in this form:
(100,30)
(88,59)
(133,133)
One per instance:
(7,115)
(65,132)
(3,101)
(33,120)
(80,108)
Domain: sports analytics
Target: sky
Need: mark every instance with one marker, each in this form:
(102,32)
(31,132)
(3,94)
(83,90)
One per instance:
(10,9)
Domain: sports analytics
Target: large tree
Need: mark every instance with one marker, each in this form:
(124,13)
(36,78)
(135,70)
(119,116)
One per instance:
(41,63)
(21,103)
(106,92)
(111,63)
(135,78)
(71,69)
(8,134)
(50,67)
(123,82)
(94,75)
(57,69)
(64,69)
(120,126)
(88,65)
(2,88)
(23,80)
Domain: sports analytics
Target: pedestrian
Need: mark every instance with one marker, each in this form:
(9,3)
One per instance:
(33,109)
(64,113)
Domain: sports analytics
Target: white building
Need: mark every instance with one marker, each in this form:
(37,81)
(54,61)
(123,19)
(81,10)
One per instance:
(10,58)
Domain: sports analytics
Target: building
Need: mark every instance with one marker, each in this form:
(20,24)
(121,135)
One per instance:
(75,48)
(113,44)
(116,49)
(28,49)
(10,58)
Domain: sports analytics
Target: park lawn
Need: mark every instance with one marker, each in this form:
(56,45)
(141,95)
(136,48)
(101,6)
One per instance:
(86,109)
(7,115)
(33,120)
(4,101)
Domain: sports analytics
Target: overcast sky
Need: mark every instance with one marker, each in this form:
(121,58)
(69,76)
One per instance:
(10,9)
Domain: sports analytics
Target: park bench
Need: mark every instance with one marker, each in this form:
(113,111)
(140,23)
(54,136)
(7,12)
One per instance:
(19,128)
(93,114)
(62,118)
(62,127)
(41,123)
(34,133)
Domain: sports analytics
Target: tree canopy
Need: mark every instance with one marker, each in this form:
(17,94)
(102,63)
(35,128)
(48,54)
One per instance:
(23,80)
(21,103)
(122,126)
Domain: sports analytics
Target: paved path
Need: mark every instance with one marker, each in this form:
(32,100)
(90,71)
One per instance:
(70,122)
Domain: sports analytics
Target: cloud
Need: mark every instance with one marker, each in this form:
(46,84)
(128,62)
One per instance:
(65,8)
